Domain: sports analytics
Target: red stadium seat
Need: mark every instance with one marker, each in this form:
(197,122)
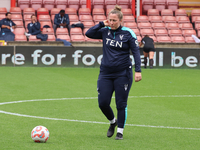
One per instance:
(28,11)
(183,19)
(147,4)
(49,4)
(2,16)
(42,11)
(144,32)
(189,39)
(20,37)
(171,26)
(197,19)
(107,11)
(123,3)
(73,18)
(35,4)
(142,19)
(24,4)
(85,30)
(43,23)
(42,18)
(64,37)
(198,33)
(186,26)
(51,37)
(77,38)
(76,31)
(129,19)
(91,40)
(98,4)
(71,11)
(3,10)
(15,10)
(98,18)
(177,32)
(26,24)
(83,3)
(188,32)
(155,19)
(19,31)
(139,38)
(153,12)
(164,39)
(27,17)
(180,12)
(110,4)
(131,25)
(33,38)
(169,19)
(195,12)
(172,4)
(73,4)
(158,26)
(48,31)
(197,26)
(160,4)
(161,32)
(98,11)
(16,17)
(55,11)
(166,12)
(84,11)
(62,31)
(154,38)
(19,24)
(127,12)
(136,31)
(178,39)
(83,18)
(144,25)
(88,24)
(62,4)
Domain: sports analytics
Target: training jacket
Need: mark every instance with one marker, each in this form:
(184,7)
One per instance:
(116,47)
(34,28)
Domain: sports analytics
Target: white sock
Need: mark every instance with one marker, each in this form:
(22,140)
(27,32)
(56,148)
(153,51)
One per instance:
(120,130)
(113,121)
(197,40)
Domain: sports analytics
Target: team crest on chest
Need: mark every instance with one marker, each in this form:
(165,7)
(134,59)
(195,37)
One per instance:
(121,37)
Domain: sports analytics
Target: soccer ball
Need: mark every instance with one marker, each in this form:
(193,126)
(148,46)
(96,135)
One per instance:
(40,134)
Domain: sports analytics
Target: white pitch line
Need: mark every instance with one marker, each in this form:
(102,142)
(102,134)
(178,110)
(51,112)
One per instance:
(83,121)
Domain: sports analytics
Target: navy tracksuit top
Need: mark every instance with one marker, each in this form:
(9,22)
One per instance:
(116,47)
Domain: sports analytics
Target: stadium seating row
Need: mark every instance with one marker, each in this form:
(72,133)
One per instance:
(71,3)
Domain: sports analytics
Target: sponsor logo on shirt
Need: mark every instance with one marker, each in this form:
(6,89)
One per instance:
(114,43)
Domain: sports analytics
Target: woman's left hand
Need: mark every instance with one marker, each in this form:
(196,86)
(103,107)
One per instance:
(138,76)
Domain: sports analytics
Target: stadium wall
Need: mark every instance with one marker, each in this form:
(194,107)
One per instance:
(60,56)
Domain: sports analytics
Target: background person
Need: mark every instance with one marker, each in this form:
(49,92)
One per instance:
(61,20)
(34,29)
(7,28)
(148,49)
(116,68)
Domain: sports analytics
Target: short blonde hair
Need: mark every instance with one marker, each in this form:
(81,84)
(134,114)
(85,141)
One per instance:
(117,10)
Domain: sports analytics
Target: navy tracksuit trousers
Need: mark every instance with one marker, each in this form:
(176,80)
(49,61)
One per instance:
(119,82)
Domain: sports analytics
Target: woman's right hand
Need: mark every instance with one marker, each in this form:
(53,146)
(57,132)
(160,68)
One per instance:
(106,22)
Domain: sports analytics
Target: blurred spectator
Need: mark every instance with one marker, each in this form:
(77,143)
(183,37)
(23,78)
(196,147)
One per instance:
(61,20)
(7,28)
(34,29)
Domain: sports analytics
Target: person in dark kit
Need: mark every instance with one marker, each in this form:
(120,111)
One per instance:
(7,28)
(61,20)
(34,29)
(148,49)
(116,68)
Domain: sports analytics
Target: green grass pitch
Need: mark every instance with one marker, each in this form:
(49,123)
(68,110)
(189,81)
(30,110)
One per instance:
(163,110)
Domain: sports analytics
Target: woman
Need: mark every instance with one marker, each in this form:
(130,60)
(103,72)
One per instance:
(116,68)
(148,49)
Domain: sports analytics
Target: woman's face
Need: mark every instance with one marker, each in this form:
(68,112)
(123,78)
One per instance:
(114,21)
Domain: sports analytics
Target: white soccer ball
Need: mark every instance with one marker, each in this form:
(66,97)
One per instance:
(40,134)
